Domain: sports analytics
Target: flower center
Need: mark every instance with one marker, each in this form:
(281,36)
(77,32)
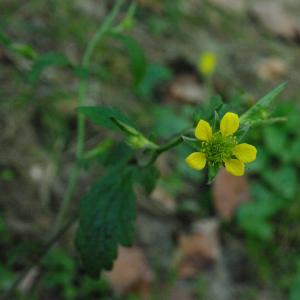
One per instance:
(219,148)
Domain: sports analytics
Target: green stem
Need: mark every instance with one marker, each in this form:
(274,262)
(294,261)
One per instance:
(169,145)
(98,36)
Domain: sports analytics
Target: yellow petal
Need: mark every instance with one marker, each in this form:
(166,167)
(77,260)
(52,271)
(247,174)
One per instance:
(196,160)
(203,131)
(229,124)
(235,167)
(245,152)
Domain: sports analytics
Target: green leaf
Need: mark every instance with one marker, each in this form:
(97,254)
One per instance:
(261,162)
(295,150)
(275,139)
(155,74)
(136,55)
(254,216)
(21,49)
(4,40)
(45,61)
(283,181)
(294,293)
(112,118)
(118,155)
(147,177)
(167,122)
(106,220)
(24,50)
(263,108)
(103,116)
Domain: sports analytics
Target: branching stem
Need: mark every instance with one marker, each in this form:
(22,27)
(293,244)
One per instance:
(59,229)
(95,40)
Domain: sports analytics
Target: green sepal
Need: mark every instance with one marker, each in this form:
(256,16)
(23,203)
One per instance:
(135,138)
(194,143)
(212,172)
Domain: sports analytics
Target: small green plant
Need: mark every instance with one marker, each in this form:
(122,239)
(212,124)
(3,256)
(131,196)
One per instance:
(107,212)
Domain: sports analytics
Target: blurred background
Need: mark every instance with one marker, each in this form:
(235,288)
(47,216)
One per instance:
(236,239)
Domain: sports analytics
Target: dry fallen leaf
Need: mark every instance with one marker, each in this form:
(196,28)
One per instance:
(186,88)
(271,68)
(274,18)
(131,273)
(228,193)
(199,249)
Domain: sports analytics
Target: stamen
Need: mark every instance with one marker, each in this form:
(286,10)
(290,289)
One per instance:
(219,148)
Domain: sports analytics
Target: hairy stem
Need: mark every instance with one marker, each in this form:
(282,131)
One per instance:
(59,229)
(98,36)
(163,148)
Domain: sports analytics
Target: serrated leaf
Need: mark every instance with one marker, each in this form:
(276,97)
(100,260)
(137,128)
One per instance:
(262,109)
(103,116)
(147,177)
(118,155)
(106,220)
(45,61)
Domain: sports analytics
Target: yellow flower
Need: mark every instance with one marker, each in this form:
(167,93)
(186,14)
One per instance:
(221,148)
(207,63)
